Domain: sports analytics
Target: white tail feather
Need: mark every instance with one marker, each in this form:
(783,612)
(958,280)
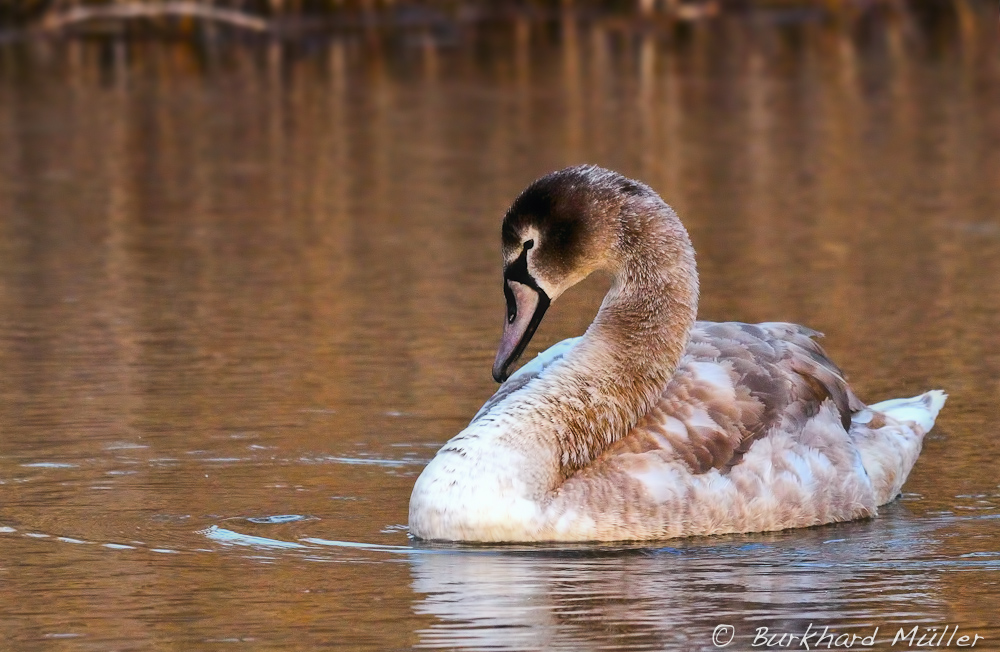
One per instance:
(921,410)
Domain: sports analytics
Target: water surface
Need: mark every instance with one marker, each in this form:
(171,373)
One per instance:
(245,296)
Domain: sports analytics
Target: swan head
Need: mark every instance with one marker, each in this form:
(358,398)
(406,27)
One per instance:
(559,230)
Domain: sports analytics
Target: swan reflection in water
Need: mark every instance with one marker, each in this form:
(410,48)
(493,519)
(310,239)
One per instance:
(852,576)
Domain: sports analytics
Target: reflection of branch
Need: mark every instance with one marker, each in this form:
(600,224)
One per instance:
(127,10)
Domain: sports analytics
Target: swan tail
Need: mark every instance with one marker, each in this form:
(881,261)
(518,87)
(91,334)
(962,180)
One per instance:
(889,436)
(921,410)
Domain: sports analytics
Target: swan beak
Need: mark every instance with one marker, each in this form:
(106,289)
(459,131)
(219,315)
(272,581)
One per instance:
(526,306)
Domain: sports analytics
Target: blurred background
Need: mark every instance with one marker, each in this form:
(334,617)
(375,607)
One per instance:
(250,282)
(903,26)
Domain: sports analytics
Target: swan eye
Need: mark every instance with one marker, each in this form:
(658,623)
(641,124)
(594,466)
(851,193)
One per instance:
(529,244)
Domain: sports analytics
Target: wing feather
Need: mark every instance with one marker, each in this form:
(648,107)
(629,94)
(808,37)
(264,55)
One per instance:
(736,384)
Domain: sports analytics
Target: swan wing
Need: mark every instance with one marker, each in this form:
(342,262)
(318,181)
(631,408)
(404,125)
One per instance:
(748,436)
(736,384)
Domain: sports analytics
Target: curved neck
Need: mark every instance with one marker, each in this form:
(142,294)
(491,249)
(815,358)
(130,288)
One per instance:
(619,369)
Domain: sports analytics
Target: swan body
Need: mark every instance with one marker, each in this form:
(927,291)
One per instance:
(653,425)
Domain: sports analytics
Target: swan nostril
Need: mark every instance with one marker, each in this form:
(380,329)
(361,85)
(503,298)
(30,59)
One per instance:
(511,302)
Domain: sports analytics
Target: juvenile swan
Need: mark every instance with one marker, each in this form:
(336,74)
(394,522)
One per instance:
(652,425)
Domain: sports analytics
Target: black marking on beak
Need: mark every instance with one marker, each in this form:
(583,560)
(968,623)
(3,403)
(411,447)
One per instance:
(519,328)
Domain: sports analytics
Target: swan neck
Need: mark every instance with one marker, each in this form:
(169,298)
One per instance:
(646,317)
(623,363)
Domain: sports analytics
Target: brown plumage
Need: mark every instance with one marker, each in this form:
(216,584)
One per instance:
(780,377)
(652,425)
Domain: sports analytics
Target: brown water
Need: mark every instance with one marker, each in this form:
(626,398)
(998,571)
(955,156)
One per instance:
(244,298)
